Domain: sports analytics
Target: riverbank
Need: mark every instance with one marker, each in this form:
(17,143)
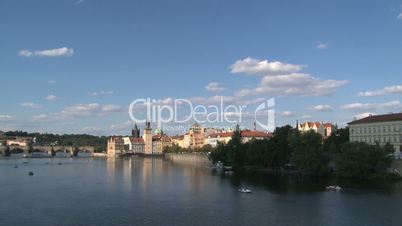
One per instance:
(189,158)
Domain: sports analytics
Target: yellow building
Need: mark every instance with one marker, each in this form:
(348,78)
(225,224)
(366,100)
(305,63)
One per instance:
(325,129)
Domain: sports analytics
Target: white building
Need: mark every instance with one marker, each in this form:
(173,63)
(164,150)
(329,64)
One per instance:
(380,129)
(246,136)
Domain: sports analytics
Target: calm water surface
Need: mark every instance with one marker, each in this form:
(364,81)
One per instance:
(145,191)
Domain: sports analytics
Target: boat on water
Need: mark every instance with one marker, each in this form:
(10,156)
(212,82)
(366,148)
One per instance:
(245,190)
(333,188)
(228,173)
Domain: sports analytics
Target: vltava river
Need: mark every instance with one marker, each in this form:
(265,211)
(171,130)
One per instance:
(145,191)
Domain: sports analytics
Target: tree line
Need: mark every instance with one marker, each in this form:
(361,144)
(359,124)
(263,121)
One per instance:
(307,154)
(98,142)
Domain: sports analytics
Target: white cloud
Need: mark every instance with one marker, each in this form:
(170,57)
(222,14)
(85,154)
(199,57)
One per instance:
(122,126)
(322,108)
(6,118)
(393,89)
(93,130)
(250,66)
(30,105)
(41,118)
(399,16)
(102,92)
(306,116)
(294,84)
(214,87)
(372,93)
(51,97)
(396,104)
(382,92)
(212,100)
(51,81)
(25,53)
(322,46)
(363,115)
(58,52)
(88,110)
(285,113)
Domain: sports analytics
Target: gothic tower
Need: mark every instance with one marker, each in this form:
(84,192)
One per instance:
(135,132)
(148,138)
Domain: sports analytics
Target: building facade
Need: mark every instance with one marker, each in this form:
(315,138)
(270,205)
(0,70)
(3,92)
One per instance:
(196,136)
(324,129)
(148,139)
(137,145)
(246,136)
(115,146)
(381,129)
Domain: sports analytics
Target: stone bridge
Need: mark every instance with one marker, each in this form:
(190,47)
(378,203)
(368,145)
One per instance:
(67,149)
(52,150)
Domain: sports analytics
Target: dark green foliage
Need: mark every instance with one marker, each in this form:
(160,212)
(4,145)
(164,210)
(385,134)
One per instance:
(334,142)
(360,160)
(99,142)
(308,155)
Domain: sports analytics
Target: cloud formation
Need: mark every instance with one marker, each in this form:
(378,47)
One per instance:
(322,46)
(322,108)
(30,105)
(214,87)
(294,84)
(396,104)
(6,118)
(58,52)
(101,93)
(88,110)
(381,92)
(251,66)
(51,97)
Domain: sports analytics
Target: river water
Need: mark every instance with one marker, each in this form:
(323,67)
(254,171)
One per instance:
(146,191)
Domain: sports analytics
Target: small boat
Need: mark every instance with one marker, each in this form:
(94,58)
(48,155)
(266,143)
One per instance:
(228,173)
(333,188)
(245,190)
(30,173)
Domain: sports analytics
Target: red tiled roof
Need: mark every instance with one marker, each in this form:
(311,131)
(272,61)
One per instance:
(246,133)
(222,135)
(136,140)
(378,118)
(255,134)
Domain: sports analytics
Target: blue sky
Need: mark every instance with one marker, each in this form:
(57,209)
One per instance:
(75,66)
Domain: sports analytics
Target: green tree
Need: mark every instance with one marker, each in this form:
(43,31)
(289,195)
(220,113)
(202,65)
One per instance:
(361,160)
(282,150)
(334,142)
(308,155)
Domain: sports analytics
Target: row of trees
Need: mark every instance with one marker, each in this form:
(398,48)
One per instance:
(99,142)
(307,153)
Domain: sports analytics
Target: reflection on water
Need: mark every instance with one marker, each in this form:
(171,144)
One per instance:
(154,191)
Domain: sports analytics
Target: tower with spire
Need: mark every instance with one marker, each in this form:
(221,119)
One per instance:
(135,132)
(148,138)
